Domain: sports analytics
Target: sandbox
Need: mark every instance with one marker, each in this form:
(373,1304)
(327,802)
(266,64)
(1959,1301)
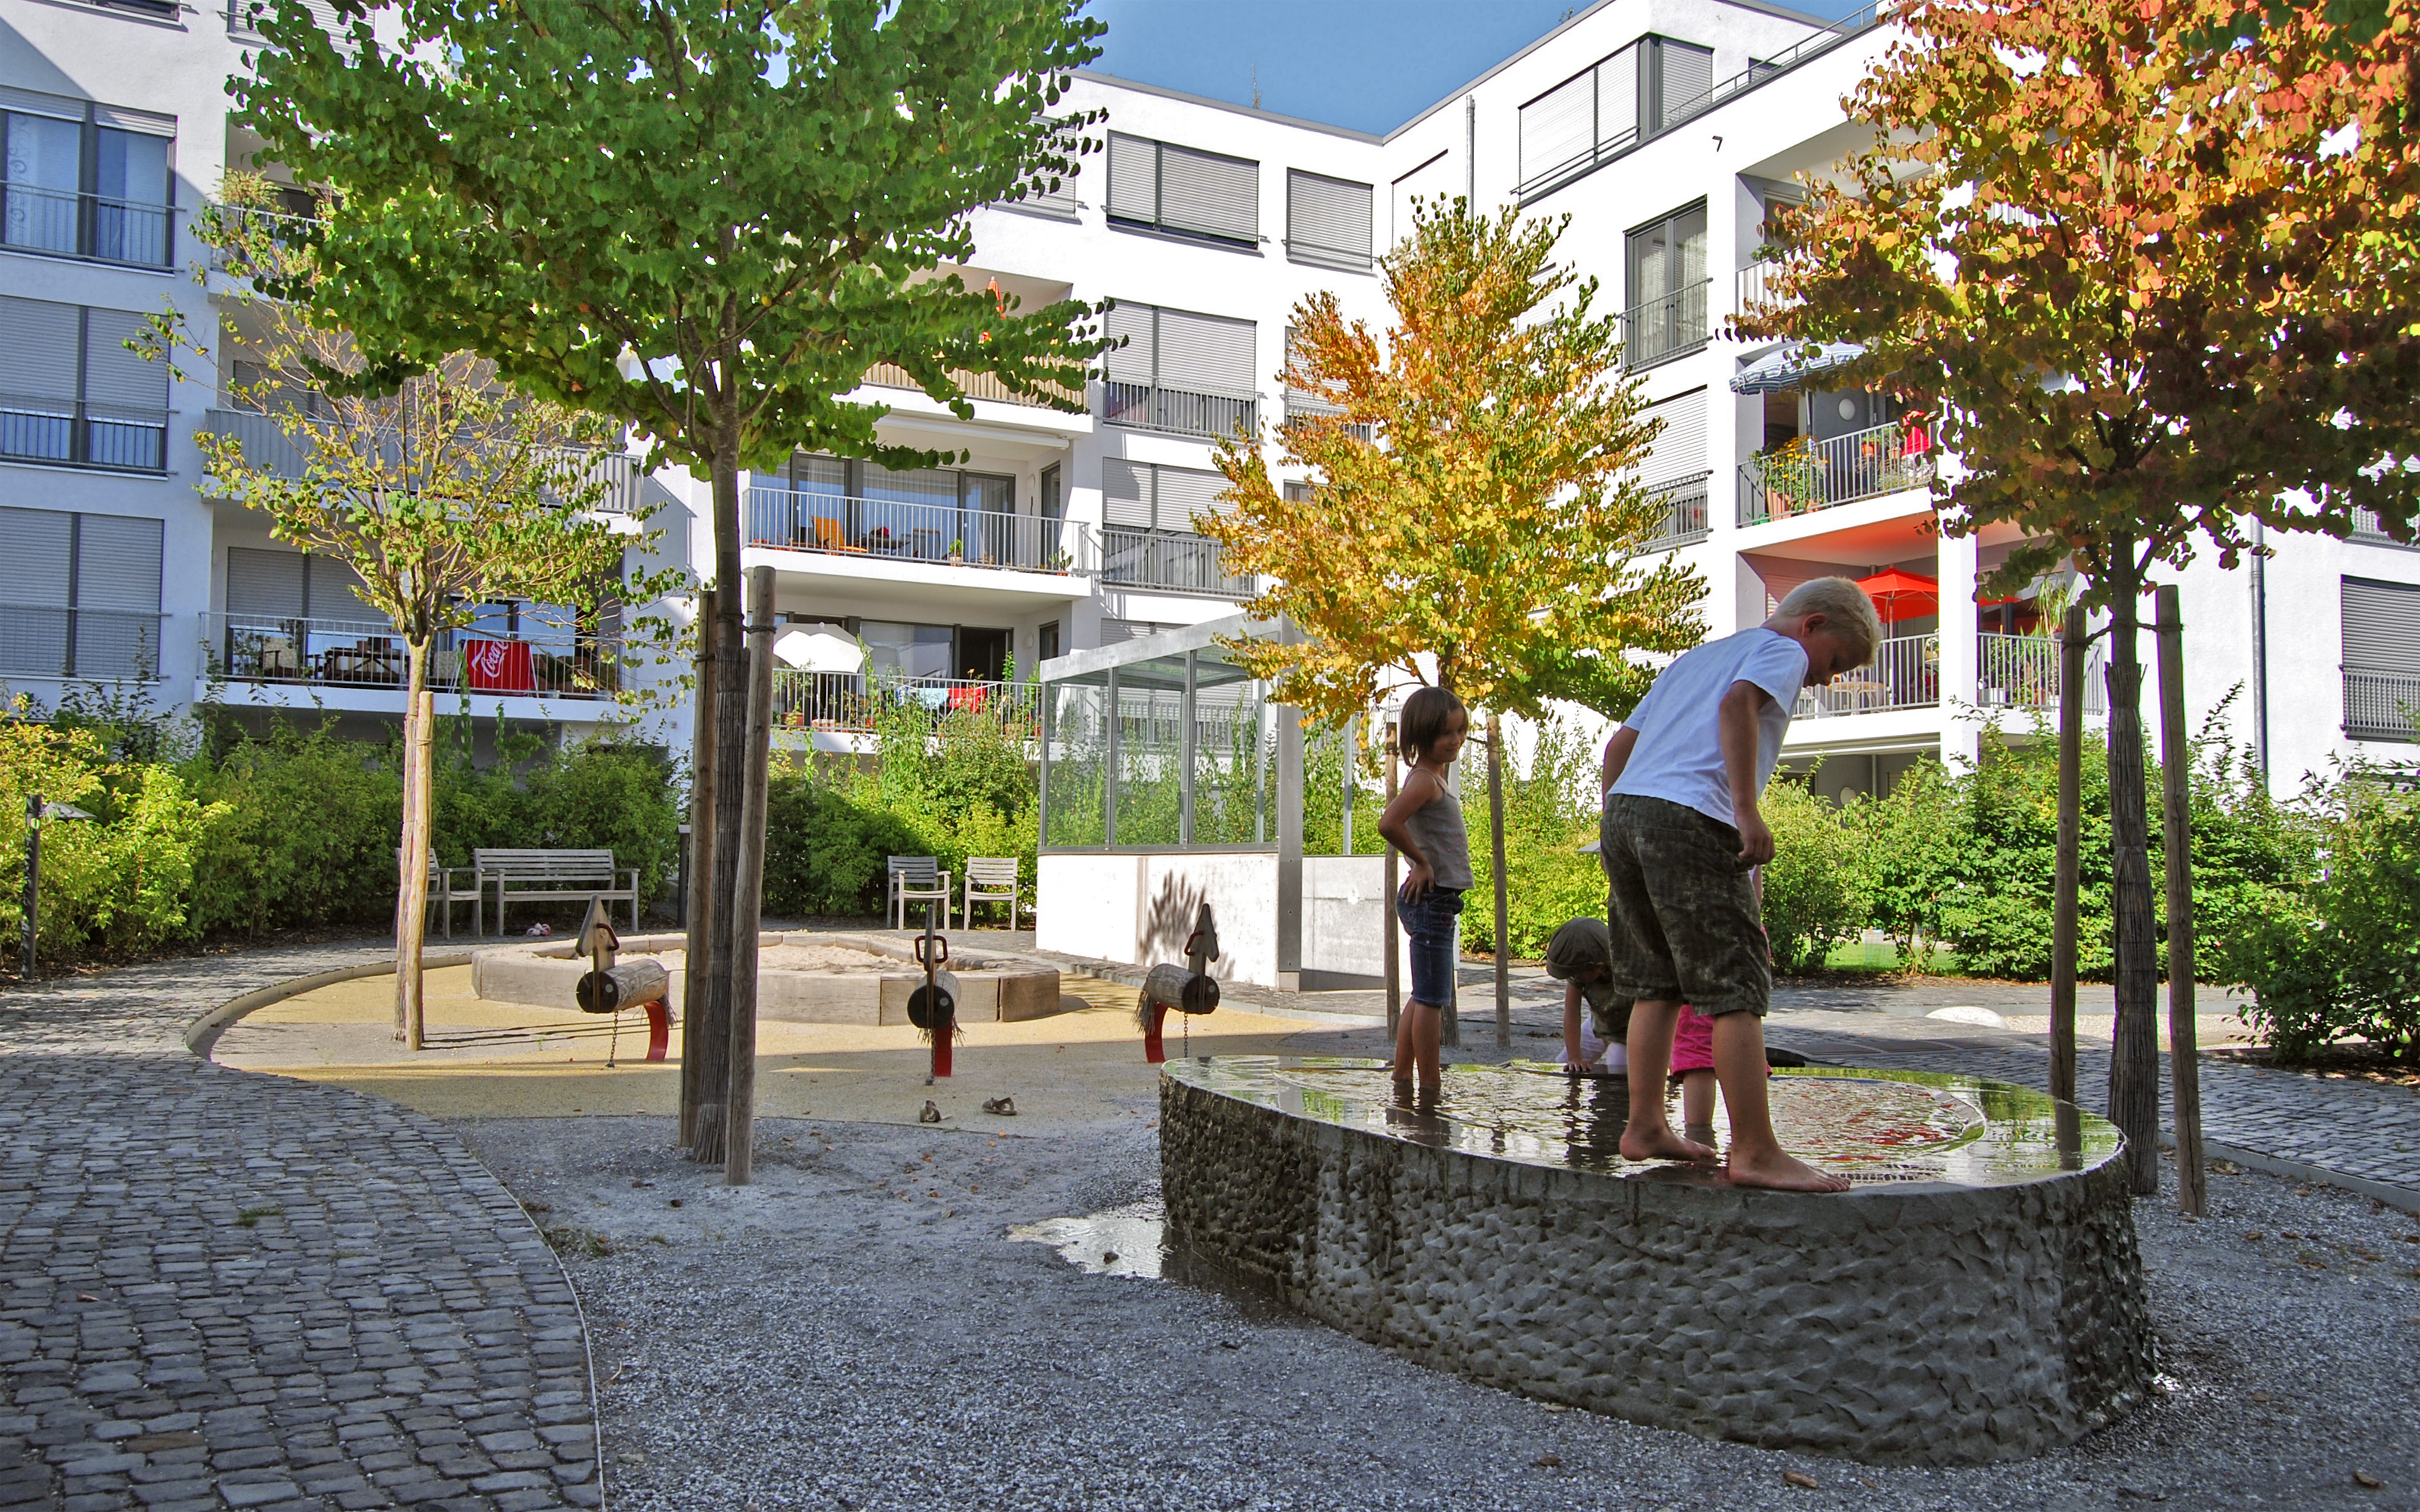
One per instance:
(1976,1296)
(802,978)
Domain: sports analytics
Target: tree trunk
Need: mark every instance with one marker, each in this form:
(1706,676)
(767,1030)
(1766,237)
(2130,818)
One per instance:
(749,899)
(2134,1049)
(2176,811)
(411,907)
(730,716)
(697,975)
(2071,838)
(1496,838)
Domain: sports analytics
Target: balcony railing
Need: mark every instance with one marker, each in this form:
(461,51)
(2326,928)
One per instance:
(1168,561)
(1905,674)
(1179,412)
(268,447)
(242,219)
(2022,671)
(83,435)
(100,227)
(941,534)
(1685,521)
(326,653)
(242,22)
(973,385)
(857,703)
(2367,526)
(1668,326)
(1758,284)
(2381,705)
(47,640)
(1863,464)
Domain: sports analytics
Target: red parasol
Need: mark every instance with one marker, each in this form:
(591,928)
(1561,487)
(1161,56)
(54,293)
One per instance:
(1898,593)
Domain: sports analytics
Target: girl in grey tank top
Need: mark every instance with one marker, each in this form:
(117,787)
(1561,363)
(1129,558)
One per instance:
(1424,821)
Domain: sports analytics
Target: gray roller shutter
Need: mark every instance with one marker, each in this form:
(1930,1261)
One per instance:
(38,355)
(119,384)
(1559,127)
(1617,99)
(33,603)
(1134,362)
(117,564)
(1126,493)
(334,592)
(264,584)
(1205,353)
(2381,627)
(1688,78)
(1188,496)
(1327,220)
(1209,192)
(1134,177)
(1680,450)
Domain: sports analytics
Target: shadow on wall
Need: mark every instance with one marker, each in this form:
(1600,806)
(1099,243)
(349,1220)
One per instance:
(1168,923)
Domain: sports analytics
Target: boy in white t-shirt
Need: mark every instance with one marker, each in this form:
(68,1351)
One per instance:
(1681,840)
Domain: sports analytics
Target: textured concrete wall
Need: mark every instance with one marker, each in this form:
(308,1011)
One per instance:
(1932,1326)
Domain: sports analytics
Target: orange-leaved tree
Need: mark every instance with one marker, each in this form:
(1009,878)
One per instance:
(2157,287)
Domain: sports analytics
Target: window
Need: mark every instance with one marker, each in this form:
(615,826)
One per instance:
(274,586)
(1170,188)
(2382,659)
(1667,317)
(86,180)
(1675,468)
(1300,402)
(70,391)
(83,598)
(1179,371)
(1141,495)
(1045,640)
(1647,87)
(1147,529)
(905,652)
(1327,220)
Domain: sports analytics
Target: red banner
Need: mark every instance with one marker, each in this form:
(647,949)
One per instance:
(498,666)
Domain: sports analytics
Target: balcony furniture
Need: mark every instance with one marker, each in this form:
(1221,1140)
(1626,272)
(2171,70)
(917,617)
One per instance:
(990,879)
(965,696)
(925,545)
(830,536)
(443,896)
(535,875)
(917,879)
(279,659)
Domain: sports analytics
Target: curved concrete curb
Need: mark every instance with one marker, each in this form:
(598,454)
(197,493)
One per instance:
(203,1032)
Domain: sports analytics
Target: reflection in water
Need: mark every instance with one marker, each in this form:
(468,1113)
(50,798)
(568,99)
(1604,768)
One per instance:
(1129,1240)
(1871,1126)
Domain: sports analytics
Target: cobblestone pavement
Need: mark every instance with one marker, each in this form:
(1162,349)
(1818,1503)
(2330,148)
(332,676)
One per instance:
(221,1289)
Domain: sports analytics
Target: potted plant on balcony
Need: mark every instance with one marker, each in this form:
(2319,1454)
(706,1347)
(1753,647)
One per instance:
(1791,483)
(957,551)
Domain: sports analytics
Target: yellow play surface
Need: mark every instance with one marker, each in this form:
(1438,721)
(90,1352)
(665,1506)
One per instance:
(494,1059)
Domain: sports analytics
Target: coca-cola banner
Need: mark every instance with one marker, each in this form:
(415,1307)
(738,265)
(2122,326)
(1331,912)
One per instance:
(498,666)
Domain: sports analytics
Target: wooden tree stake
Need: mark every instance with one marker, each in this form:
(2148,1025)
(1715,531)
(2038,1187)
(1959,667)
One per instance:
(2175,800)
(1495,835)
(697,973)
(748,895)
(2071,838)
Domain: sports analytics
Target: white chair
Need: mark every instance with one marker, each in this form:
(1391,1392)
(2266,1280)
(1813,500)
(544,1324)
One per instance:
(990,879)
(917,879)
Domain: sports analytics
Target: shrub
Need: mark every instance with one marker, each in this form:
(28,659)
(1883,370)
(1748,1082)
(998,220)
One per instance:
(1551,811)
(1817,893)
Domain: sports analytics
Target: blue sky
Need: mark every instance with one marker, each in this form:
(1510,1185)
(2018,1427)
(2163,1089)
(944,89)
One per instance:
(1368,64)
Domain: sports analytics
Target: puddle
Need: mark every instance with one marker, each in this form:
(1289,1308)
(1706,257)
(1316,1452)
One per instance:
(1128,1240)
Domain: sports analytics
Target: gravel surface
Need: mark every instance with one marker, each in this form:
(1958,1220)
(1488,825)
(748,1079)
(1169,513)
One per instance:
(857,1331)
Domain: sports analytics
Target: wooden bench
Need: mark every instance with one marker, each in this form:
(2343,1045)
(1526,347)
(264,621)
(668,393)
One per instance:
(557,875)
(443,893)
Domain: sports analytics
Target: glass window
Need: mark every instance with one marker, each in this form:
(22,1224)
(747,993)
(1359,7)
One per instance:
(1234,756)
(903,653)
(1150,772)
(1077,731)
(43,162)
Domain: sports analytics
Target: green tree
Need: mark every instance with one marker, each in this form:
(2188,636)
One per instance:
(2139,277)
(705,220)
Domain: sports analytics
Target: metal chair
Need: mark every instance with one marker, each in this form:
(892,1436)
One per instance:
(917,879)
(990,879)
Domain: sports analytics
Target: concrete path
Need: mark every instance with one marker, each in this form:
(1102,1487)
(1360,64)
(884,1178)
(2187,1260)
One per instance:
(221,1289)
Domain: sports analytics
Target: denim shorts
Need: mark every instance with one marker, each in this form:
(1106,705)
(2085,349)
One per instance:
(1429,925)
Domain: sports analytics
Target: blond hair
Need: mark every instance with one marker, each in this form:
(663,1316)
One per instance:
(1849,613)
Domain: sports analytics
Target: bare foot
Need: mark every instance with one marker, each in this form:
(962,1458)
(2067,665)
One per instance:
(1663,1144)
(1780,1171)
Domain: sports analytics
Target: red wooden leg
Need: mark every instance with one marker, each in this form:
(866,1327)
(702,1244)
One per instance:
(942,1033)
(659,1028)
(1153,1052)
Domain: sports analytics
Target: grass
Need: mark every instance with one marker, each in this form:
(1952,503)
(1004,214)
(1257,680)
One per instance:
(1882,957)
(250,1217)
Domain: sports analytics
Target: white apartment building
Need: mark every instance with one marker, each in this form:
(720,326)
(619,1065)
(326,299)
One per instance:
(1663,128)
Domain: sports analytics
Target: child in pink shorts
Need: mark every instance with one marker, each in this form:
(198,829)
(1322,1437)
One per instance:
(1693,1067)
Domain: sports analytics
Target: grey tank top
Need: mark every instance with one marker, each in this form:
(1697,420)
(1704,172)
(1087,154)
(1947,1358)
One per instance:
(1436,828)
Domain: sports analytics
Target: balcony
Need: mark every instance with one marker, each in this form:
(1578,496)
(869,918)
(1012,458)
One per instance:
(1668,326)
(935,533)
(2022,671)
(244,219)
(1758,285)
(975,386)
(1686,512)
(1864,463)
(96,227)
(114,436)
(2367,526)
(1179,412)
(1905,674)
(50,640)
(1169,561)
(854,704)
(268,447)
(326,653)
(2381,705)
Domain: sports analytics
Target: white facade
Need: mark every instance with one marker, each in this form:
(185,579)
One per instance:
(1660,127)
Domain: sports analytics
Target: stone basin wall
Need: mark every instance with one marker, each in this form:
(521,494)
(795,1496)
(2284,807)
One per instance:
(1926,1325)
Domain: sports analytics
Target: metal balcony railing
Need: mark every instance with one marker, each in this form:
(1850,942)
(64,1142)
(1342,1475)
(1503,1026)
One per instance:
(1668,326)
(1758,284)
(328,652)
(973,385)
(2381,705)
(268,447)
(98,228)
(856,703)
(1684,521)
(1180,411)
(243,219)
(1863,464)
(1168,561)
(241,21)
(941,534)
(50,640)
(2022,671)
(117,437)
(1905,674)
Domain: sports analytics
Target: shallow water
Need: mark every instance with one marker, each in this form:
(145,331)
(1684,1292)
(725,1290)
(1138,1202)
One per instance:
(1128,1240)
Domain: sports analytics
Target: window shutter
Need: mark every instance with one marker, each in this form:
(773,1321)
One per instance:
(117,564)
(119,117)
(1186,496)
(117,383)
(1210,193)
(1126,493)
(265,585)
(1134,177)
(1688,78)
(937,486)
(332,591)
(38,355)
(2381,627)
(1680,450)
(36,542)
(1617,99)
(1327,220)
(1559,127)
(1426,181)
(1205,354)
(1135,361)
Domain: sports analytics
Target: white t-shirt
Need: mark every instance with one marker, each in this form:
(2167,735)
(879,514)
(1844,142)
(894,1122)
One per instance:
(1679,756)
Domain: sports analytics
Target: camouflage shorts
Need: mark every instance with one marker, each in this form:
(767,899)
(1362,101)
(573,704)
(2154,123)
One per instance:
(1683,909)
